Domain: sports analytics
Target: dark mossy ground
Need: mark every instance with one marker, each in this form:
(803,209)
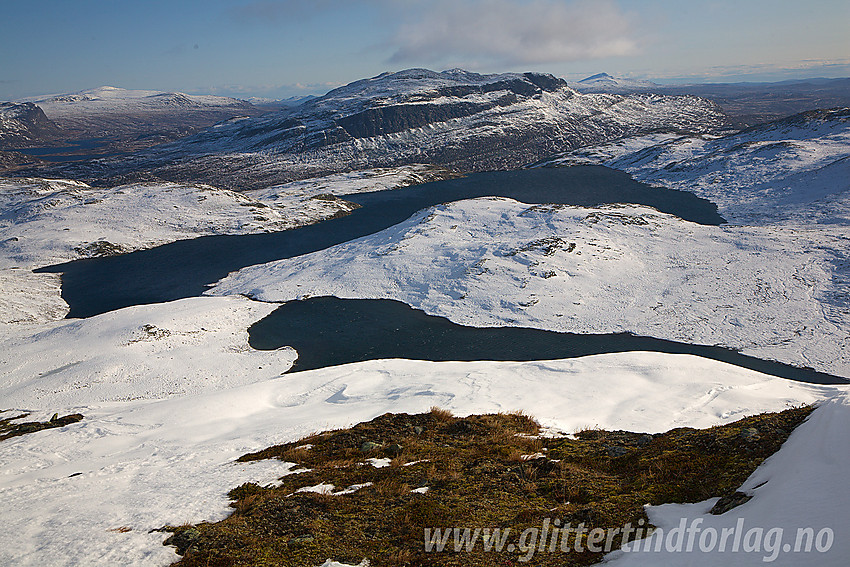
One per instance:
(482,471)
(9,429)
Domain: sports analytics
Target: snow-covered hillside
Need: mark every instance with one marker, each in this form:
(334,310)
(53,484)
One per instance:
(456,119)
(774,293)
(172,395)
(795,170)
(44,222)
(50,221)
(144,352)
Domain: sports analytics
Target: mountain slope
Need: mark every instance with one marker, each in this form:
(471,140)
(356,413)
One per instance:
(792,170)
(455,118)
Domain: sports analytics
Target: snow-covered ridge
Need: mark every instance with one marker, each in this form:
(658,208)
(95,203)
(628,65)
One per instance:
(774,293)
(795,170)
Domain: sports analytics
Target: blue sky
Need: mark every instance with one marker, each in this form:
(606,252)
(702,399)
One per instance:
(282,48)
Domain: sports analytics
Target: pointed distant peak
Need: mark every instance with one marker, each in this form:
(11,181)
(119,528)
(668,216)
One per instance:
(596,77)
(605,83)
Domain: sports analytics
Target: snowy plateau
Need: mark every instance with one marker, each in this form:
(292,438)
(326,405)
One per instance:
(172,393)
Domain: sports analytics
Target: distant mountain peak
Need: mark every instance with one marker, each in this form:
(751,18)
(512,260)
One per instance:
(597,77)
(603,82)
(109,98)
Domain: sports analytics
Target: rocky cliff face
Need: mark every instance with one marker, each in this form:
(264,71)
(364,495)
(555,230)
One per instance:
(24,125)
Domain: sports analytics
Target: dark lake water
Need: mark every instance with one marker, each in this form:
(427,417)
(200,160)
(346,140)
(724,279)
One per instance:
(327,331)
(76,150)
(185,268)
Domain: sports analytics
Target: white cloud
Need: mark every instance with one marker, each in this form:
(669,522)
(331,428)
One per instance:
(507,32)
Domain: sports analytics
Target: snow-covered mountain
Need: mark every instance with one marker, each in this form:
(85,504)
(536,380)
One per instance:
(793,170)
(746,104)
(24,124)
(605,83)
(455,118)
(278,103)
(110,120)
(117,100)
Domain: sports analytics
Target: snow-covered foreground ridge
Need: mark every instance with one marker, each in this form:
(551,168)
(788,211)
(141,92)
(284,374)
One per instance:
(91,492)
(772,292)
(795,170)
